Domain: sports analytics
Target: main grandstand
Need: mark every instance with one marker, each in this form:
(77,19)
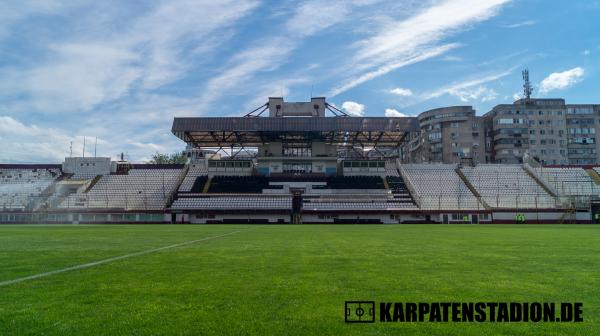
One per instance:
(305,162)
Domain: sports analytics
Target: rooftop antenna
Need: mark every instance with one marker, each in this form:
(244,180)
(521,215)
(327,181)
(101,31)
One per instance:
(95,144)
(527,88)
(71,149)
(311,90)
(84,146)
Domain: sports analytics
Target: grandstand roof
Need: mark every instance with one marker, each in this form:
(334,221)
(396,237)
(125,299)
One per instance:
(254,131)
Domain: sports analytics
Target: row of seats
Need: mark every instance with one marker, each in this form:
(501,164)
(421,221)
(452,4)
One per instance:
(507,186)
(238,184)
(355,182)
(198,185)
(233,203)
(114,201)
(306,177)
(349,204)
(569,181)
(399,189)
(22,188)
(391,169)
(439,187)
(146,189)
(83,176)
(195,171)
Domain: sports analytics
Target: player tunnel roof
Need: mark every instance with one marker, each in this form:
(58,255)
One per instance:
(255,131)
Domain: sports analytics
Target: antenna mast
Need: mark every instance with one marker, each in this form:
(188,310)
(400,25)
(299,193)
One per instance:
(527,88)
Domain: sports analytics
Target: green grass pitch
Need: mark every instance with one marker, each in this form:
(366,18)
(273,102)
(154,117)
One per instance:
(288,280)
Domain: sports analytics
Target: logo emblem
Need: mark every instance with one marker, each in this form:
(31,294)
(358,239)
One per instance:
(359,312)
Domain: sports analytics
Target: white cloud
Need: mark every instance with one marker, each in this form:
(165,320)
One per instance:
(400,43)
(517,96)
(428,26)
(271,53)
(561,80)
(464,90)
(280,88)
(474,93)
(586,52)
(174,25)
(31,143)
(243,66)
(424,55)
(521,24)
(149,146)
(314,16)
(12,12)
(82,76)
(98,65)
(390,112)
(452,58)
(401,92)
(353,108)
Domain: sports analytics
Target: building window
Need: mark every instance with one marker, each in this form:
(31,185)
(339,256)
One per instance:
(583,141)
(580,110)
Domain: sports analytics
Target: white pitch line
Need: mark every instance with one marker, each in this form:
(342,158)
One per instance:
(105,261)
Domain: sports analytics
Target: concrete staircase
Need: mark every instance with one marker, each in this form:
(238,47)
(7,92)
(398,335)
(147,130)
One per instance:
(539,180)
(207,186)
(472,188)
(594,175)
(385,183)
(93,183)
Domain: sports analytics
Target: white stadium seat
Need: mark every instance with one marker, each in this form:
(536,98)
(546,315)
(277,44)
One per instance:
(508,186)
(21,188)
(439,187)
(141,189)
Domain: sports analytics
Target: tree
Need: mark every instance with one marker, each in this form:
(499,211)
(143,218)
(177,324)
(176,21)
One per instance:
(179,157)
(159,158)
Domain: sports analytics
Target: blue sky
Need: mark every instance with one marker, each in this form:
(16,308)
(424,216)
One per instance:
(121,70)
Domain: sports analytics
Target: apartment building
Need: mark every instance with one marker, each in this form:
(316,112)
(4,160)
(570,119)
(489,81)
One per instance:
(448,135)
(547,130)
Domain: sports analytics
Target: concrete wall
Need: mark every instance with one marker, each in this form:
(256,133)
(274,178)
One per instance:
(88,166)
(279,108)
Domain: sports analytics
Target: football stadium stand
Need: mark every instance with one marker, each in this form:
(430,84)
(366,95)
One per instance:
(507,186)
(569,181)
(140,189)
(296,165)
(238,184)
(234,203)
(195,179)
(22,188)
(438,186)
